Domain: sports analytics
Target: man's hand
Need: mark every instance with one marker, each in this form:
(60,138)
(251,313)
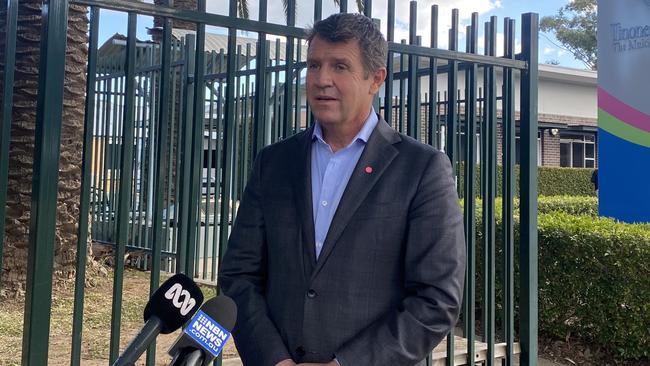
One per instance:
(331,363)
(287,362)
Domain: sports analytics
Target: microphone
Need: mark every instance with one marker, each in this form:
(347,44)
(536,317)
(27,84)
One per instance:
(206,334)
(170,306)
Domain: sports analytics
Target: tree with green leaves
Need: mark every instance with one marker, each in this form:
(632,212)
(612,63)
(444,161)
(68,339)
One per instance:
(574,27)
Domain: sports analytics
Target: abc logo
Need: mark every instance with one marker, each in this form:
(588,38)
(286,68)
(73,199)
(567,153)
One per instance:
(175,293)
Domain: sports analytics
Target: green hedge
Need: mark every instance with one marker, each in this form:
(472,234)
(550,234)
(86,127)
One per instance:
(575,205)
(551,181)
(594,282)
(594,276)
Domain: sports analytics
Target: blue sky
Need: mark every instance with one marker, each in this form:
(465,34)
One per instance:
(549,49)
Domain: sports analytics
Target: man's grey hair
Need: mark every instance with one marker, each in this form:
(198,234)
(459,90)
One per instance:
(344,27)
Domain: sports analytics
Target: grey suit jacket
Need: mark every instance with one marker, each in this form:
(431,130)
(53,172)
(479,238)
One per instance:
(387,286)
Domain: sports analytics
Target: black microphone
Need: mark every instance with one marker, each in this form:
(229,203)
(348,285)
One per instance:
(206,334)
(170,306)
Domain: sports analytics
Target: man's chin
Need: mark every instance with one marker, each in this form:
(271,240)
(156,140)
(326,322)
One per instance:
(326,119)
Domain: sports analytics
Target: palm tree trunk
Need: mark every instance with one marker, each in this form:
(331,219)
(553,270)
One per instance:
(22,144)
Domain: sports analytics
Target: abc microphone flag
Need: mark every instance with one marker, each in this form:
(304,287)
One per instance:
(170,306)
(206,334)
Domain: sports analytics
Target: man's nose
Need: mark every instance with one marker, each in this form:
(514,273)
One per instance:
(322,78)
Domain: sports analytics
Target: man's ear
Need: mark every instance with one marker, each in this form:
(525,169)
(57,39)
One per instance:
(378,78)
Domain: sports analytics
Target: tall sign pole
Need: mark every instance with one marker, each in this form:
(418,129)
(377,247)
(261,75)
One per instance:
(624,109)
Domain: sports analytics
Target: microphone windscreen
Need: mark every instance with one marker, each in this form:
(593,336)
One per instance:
(209,329)
(223,310)
(174,302)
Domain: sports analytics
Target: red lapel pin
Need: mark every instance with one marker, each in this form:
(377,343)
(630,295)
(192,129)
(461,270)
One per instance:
(368,169)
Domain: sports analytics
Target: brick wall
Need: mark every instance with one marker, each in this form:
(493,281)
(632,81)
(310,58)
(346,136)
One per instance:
(550,148)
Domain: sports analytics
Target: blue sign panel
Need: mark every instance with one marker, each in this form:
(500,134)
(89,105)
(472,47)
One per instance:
(623,110)
(207,332)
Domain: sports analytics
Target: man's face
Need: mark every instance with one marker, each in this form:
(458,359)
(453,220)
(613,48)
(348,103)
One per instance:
(339,89)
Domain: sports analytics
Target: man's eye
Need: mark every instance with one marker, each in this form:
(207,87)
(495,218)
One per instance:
(341,67)
(312,66)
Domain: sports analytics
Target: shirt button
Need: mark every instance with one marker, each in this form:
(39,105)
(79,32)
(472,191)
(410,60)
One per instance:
(324,203)
(311,293)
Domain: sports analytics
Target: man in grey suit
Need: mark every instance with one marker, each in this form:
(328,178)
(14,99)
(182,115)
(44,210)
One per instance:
(348,248)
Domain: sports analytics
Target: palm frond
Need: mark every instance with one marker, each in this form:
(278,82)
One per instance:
(242,9)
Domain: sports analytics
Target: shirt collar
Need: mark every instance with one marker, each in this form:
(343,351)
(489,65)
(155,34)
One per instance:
(363,134)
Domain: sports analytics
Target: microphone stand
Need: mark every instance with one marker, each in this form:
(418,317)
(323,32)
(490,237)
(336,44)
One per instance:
(188,358)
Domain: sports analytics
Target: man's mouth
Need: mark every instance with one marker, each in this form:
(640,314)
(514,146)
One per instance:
(325,98)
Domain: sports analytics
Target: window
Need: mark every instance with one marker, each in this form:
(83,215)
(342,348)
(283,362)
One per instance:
(518,149)
(578,150)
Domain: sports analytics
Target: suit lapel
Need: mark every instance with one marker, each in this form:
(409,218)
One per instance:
(378,154)
(301,182)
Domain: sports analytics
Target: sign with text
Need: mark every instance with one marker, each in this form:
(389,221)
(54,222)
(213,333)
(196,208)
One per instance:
(624,109)
(207,332)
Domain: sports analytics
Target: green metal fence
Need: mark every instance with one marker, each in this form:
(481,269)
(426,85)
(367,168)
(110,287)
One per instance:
(172,126)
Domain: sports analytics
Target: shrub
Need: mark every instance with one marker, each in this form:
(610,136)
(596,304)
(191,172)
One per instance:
(551,181)
(594,282)
(565,181)
(575,205)
(594,276)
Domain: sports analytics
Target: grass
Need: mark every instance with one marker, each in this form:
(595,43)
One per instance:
(96,322)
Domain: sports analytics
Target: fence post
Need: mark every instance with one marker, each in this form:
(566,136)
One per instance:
(528,326)
(49,113)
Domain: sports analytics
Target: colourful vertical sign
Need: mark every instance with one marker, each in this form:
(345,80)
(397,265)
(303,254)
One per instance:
(624,109)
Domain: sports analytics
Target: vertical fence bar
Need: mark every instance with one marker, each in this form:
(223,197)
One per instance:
(413,125)
(367,8)
(528,326)
(388,85)
(82,232)
(433,120)
(259,108)
(49,110)
(218,164)
(198,126)
(452,86)
(343,6)
(181,213)
(452,130)
(489,200)
(6,111)
(228,143)
(108,84)
(508,163)
(402,91)
(209,164)
(288,73)
(318,9)
(470,189)
(484,183)
(297,103)
(151,131)
(126,173)
(277,109)
(161,154)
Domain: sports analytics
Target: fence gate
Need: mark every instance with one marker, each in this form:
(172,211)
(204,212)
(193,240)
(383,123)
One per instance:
(172,125)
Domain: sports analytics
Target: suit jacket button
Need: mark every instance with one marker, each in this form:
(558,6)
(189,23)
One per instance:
(300,351)
(311,293)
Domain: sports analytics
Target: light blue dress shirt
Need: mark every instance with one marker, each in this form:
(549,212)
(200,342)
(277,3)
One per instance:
(330,172)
